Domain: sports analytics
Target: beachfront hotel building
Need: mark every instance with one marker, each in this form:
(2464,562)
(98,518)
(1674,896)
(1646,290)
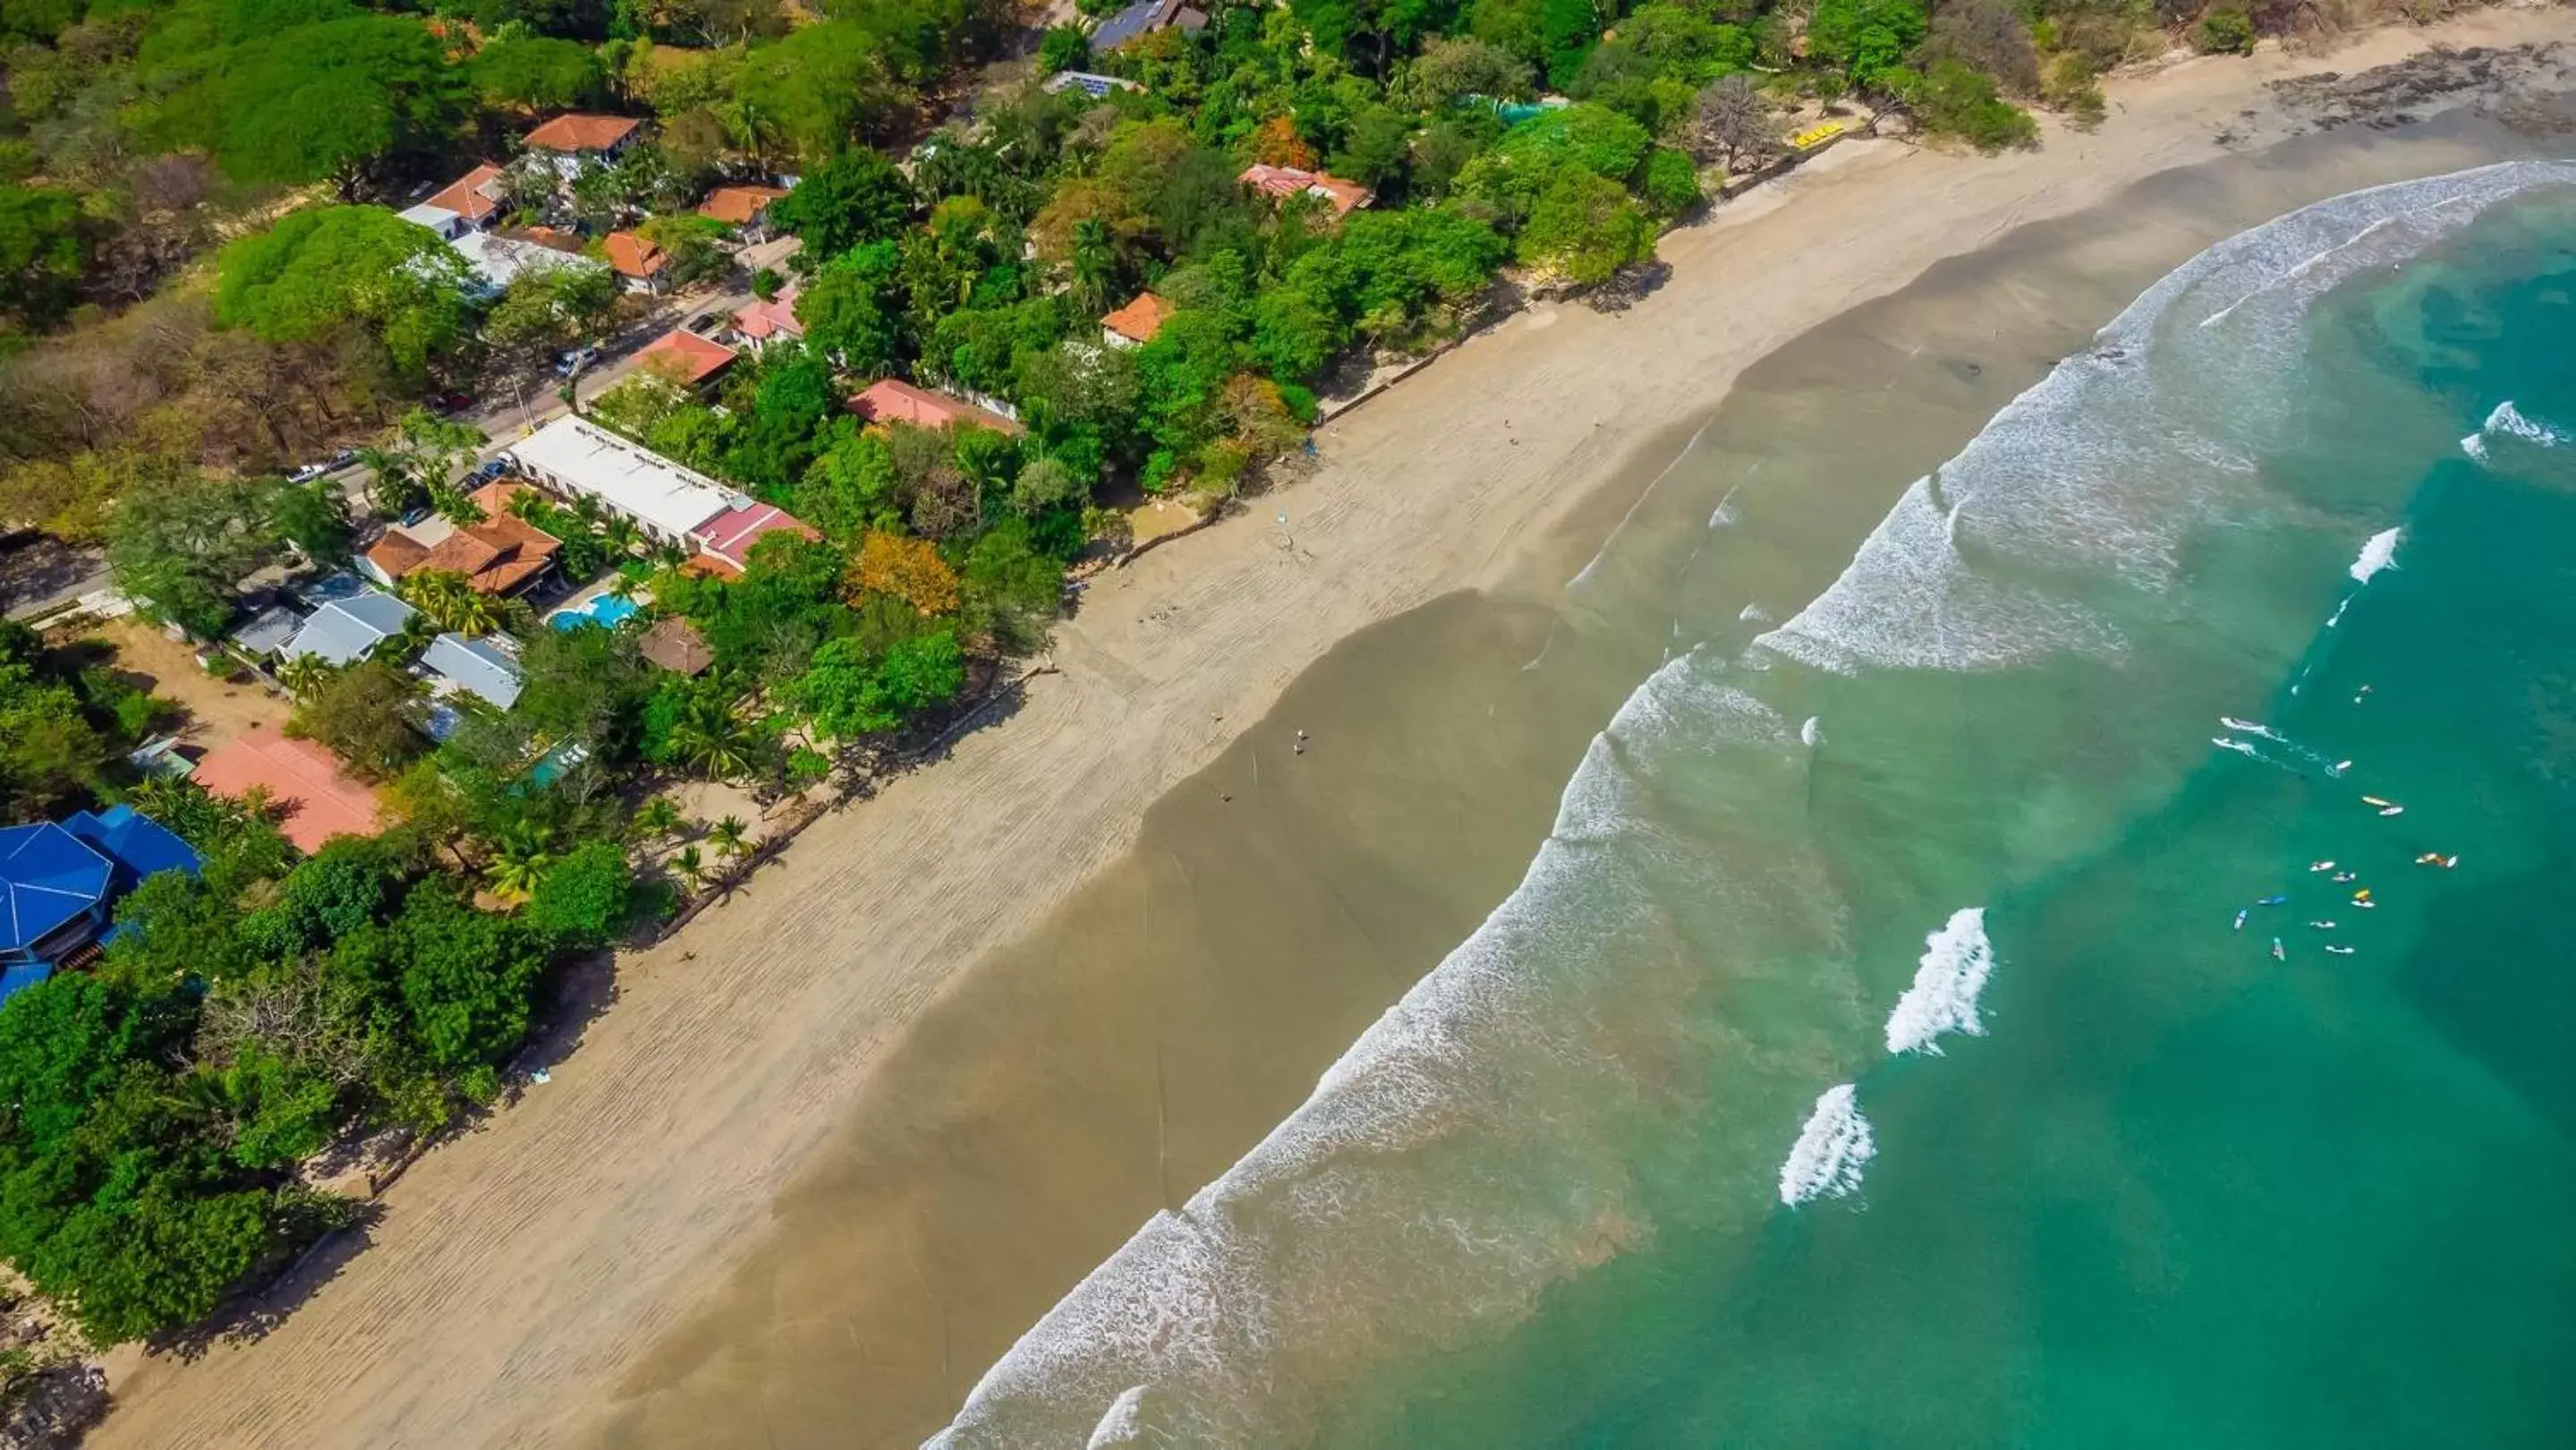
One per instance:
(672,504)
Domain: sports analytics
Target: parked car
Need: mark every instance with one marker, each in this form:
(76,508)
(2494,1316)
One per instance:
(308,473)
(455,402)
(705,323)
(415,515)
(574,361)
(342,459)
(490,471)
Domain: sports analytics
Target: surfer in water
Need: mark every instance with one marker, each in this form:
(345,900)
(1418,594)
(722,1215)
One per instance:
(2321,866)
(2278,954)
(2339,951)
(2242,912)
(2344,876)
(2273,901)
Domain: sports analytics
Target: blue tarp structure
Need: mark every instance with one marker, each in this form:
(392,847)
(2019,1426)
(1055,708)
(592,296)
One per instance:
(58,881)
(138,845)
(48,876)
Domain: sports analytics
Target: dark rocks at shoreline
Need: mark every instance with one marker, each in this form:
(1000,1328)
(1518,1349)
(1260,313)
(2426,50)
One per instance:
(2523,82)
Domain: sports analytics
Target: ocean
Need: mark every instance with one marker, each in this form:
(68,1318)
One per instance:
(2085,975)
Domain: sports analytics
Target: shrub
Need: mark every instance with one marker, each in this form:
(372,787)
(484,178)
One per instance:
(1953,100)
(2225,30)
(1064,48)
(1671,184)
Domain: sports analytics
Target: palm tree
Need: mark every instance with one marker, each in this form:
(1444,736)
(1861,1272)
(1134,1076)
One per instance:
(712,740)
(1095,265)
(731,837)
(451,601)
(519,861)
(691,866)
(392,487)
(303,675)
(655,820)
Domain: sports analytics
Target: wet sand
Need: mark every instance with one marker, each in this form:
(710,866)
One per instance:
(870,1119)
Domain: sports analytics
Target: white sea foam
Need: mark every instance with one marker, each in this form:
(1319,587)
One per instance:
(1952,974)
(2507,421)
(1832,1150)
(1124,1424)
(2378,552)
(1812,733)
(2074,487)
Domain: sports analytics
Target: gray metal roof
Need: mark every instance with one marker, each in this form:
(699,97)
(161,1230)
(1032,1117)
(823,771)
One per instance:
(268,630)
(345,630)
(477,665)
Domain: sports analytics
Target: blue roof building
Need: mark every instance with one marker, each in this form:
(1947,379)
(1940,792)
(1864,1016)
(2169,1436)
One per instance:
(59,884)
(344,631)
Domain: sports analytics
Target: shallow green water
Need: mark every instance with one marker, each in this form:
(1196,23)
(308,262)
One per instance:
(2145,1184)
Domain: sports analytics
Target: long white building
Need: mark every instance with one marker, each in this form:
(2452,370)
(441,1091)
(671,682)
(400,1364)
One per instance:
(576,458)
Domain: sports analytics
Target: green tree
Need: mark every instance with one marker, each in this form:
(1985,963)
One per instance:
(325,268)
(1866,40)
(585,898)
(808,96)
(466,980)
(851,311)
(44,241)
(182,544)
(547,309)
(341,100)
(854,198)
(1064,47)
(1585,228)
(314,517)
(537,72)
(364,716)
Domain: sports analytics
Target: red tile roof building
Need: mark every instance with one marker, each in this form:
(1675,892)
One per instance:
(774,318)
(739,205)
(575,132)
(1138,321)
(629,255)
(685,358)
(498,556)
(473,196)
(890,400)
(728,537)
(321,797)
(1281,182)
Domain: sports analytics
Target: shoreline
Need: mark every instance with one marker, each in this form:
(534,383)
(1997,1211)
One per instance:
(522,1268)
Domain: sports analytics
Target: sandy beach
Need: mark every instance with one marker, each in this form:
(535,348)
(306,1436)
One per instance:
(521,1275)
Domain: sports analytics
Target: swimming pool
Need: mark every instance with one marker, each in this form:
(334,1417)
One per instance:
(606,609)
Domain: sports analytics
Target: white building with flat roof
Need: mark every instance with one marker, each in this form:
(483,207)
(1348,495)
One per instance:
(581,459)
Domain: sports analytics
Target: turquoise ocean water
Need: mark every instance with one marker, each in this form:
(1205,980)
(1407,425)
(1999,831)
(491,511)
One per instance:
(1873,1055)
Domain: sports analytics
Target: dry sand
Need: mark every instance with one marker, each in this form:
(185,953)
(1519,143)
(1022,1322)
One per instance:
(520,1272)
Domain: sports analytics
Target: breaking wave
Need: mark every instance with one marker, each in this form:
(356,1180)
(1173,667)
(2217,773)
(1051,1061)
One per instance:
(2507,421)
(2073,487)
(1831,1152)
(2379,552)
(1956,962)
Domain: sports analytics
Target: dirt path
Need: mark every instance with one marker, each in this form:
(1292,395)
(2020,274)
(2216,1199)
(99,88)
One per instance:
(517,1272)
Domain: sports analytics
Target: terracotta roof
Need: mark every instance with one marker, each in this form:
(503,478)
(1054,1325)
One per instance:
(574,131)
(730,535)
(764,320)
(1139,319)
(322,798)
(554,237)
(1344,197)
(496,555)
(710,566)
(735,205)
(397,553)
(632,256)
(890,400)
(675,645)
(685,358)
(467,195)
